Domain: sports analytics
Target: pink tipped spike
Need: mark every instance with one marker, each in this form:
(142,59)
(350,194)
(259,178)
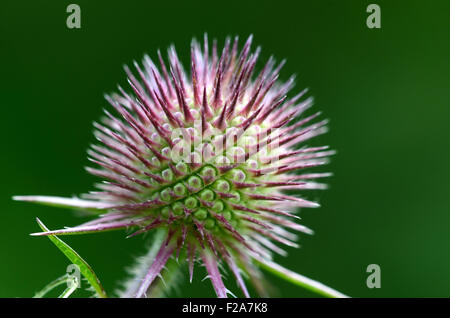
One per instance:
(96,228)
(236,95)
(214,275)
(266,90)
(162,93)
(210,241)
(217,89)
(214,58)
(204,122)
(251,67)
(195,81)
(182,100)
(243,208)
(132,79)
(270,110)
(181,78)
(205,107)
(172,119)
(191,255)
(263,74)
(250,120)
(199,238)
(246,110)
(256,221)
(220,122)
(205,59)
(273,236)
(166,75)
(147,228)
(238,276)
(145,81)
(155,269)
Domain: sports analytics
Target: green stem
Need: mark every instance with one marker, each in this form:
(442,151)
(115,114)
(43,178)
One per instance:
(300,280)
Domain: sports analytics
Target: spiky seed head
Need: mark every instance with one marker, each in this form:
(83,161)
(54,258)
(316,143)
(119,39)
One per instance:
(206,154)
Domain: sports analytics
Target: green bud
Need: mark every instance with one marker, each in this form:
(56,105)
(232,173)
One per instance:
(167,174)
(207,195)
(195,182)
(155,161)
(210,223)
(238,175)
(236,198)
(165,212)
(165,195)
(201,214)
(166,152)
(182,167)
(179,189)
(177,208)
(222,185)
(190,202)
(218,206)
(208,172)
(227,215)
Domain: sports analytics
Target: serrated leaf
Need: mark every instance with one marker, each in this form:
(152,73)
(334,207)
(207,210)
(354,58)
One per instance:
(76,259)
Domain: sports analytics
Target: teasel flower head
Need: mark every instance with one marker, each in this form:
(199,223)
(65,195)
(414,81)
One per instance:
(210,154)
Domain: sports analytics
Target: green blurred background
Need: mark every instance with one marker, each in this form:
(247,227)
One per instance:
(386,92)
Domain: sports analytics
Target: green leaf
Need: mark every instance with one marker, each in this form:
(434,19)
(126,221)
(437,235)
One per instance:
(76,259)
